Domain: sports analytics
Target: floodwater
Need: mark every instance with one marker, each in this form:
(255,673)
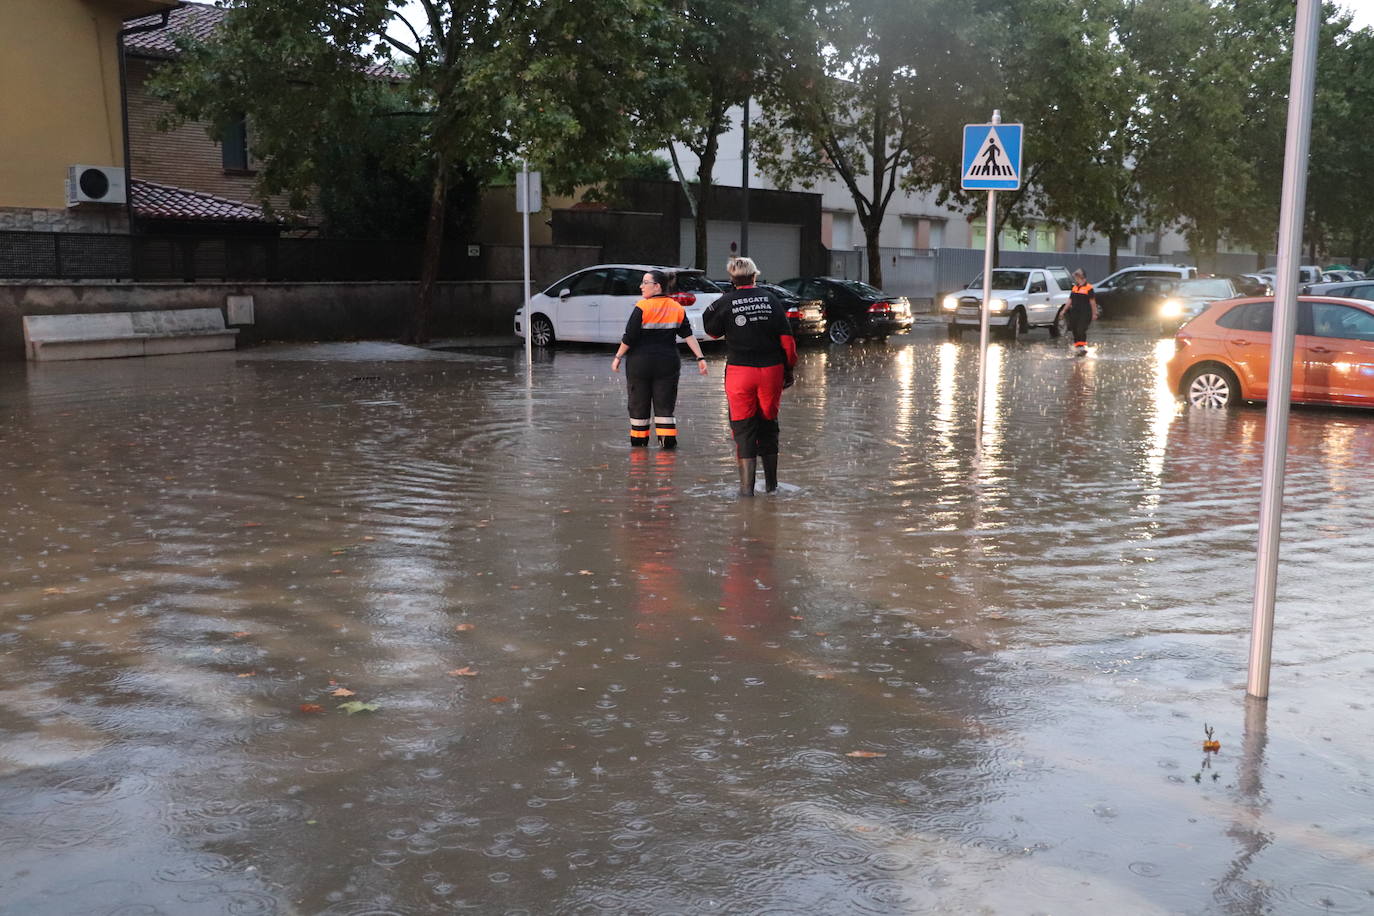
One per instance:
(593,681)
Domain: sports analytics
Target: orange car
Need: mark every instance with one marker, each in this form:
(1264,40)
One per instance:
(1222,356)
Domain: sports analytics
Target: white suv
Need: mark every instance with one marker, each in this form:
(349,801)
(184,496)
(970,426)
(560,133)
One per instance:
(594,304)
(1022,298)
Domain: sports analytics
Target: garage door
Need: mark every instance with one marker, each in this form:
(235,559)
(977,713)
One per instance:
(775,247)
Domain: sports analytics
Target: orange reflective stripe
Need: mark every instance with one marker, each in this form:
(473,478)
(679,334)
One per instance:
(666,432)
(661,312)
(638,433)
(1086,289)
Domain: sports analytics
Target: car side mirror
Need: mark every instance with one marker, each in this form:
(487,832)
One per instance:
(564,293)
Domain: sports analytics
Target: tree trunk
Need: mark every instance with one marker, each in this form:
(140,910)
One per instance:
(418,332)
(706,170)
(1112,236)
(872,228)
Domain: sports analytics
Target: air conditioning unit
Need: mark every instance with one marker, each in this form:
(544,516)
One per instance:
(95,184)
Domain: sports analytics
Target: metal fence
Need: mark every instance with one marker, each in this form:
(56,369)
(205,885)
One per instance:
(90,256)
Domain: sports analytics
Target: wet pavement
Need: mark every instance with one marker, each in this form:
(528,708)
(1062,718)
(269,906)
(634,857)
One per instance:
(588,680)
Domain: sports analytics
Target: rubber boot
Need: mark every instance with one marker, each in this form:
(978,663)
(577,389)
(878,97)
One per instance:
(748,471)
(770,472)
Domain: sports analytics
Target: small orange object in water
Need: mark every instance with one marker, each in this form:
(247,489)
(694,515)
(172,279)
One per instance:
(1211,747)
(311,707)
(865,754)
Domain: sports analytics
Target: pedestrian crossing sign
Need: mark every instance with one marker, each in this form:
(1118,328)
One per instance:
(992,157)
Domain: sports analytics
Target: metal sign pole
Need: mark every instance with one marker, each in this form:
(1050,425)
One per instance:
(1293,201)
(991,227)
(529,332)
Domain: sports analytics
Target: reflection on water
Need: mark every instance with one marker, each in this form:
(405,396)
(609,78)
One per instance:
(603,684)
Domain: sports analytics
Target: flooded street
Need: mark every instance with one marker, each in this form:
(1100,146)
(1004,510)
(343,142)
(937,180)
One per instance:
(358,629)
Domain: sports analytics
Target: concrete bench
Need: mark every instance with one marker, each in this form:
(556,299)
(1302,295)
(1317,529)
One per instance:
(103,335)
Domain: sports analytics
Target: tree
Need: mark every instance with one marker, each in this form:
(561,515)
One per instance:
(864,95)
(1056,68)
(720,52)
(549,81)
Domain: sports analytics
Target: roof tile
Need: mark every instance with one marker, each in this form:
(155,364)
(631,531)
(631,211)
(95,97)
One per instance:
(160,201)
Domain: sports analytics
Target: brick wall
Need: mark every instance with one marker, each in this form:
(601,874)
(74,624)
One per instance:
(185,157)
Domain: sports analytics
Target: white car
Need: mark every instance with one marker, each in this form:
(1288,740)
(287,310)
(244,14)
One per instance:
(1022,298)
(594,304)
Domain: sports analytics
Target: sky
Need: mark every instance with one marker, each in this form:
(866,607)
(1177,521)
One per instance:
(1363,11)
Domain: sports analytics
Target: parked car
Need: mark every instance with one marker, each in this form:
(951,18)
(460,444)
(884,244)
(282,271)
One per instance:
(1222,356)
(853,309)
(1138,290)
(1187,298)
(1022,298)
(807,316)
(593,304)
(1360,289)
(1308,274)
(1253,284)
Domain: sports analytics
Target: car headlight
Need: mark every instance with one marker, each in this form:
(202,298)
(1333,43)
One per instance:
(951,302)
(1171,308)
(997,305)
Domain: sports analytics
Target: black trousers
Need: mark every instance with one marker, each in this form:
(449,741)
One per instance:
(651,380)
(1079,319)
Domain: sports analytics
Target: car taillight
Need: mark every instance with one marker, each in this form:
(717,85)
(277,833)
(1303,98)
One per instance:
(794,313)
(879,308)
(683,299)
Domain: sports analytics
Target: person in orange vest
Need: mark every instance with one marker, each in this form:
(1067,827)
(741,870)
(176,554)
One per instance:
(1080,311)
(761,354)
(654,366)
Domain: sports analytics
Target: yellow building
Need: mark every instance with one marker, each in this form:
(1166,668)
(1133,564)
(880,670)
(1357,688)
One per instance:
(60,106)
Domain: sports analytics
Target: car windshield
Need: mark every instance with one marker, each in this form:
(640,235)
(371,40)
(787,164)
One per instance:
(1002,279)
(1211,288)
(863,289)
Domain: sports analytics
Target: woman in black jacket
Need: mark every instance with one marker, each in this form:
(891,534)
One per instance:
(654,366)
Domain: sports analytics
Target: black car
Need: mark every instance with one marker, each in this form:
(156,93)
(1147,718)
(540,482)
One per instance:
(807,317)
(854,309)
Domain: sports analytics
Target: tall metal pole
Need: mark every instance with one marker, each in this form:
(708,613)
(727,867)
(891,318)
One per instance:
(1293,202)
(744,184)
(983,319)
(525,219)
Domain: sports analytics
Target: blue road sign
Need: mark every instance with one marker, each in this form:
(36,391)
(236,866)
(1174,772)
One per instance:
(992,157)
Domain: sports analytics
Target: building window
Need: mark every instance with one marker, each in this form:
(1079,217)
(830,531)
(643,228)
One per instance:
(937,233)
(841,231)
(910,232)
(234,146)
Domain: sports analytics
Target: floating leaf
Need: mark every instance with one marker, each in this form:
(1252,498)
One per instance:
(242,633)
(585,572)
(311,707)
(341,692)
(353,706)
(499,699)
(248,674)
(247,524)
(865,754)
(466,671)
(464,627)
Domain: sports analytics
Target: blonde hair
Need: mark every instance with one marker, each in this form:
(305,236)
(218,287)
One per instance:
(742,269)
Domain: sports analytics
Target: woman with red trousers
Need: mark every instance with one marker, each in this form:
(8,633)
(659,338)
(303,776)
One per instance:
(760,356)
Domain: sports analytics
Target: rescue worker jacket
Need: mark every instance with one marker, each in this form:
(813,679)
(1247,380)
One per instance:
(1080,298)
(755,327)
(655,324)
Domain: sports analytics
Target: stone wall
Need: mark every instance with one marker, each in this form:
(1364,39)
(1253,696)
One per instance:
(299,311)
(100,218)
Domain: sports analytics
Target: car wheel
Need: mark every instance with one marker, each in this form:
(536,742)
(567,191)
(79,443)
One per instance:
(841,331)
(955,332)
(1211,387)
(1015,326)
(541,331)
(1057,327)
